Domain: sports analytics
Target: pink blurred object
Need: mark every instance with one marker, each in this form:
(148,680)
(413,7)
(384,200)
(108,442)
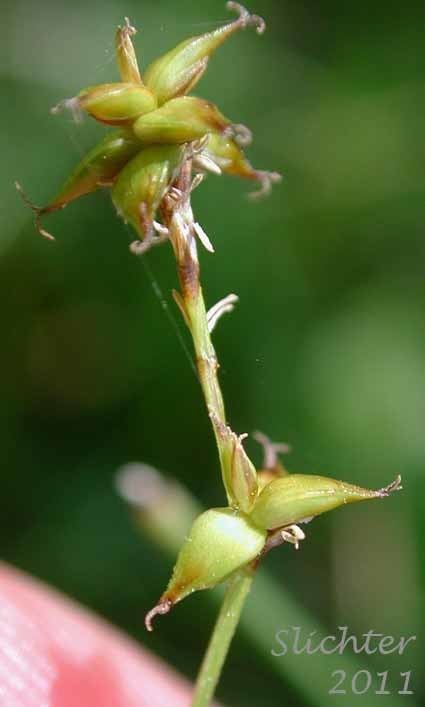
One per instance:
(53,653)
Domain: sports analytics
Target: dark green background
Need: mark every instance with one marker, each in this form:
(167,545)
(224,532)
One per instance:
(326,349)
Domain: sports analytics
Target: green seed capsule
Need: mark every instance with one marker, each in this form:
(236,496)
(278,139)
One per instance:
(225,152)
(180,120)
(293,498)
(176,72)
(126,56)
(220,542)
(143,183)
(111,103)
(117,103)
(99,168)
(229,156)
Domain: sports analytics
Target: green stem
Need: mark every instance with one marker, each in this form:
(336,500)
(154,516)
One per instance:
(206,358)
(207,365)
(179,219)
(221,638)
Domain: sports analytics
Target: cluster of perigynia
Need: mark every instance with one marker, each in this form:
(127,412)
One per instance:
(264,509)
(155,121)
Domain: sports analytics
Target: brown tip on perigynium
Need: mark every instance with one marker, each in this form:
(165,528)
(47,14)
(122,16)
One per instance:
(127,30)
(393,486)
(38,212)
(71,104)
(266,179)
(246,19)
(163,607)
(241,134)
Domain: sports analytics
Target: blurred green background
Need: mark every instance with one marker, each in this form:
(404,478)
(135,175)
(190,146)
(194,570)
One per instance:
(326,349)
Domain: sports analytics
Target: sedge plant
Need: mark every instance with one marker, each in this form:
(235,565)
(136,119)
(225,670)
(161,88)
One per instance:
(163,143)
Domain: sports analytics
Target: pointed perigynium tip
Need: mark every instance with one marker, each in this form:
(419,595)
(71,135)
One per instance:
(38,212)
(71,104)
(266,180)
(393,486)
(127,28)
(163,607)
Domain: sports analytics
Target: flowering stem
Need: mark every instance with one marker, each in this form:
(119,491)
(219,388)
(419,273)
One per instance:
(206,359)
(178,218)
(221,637)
